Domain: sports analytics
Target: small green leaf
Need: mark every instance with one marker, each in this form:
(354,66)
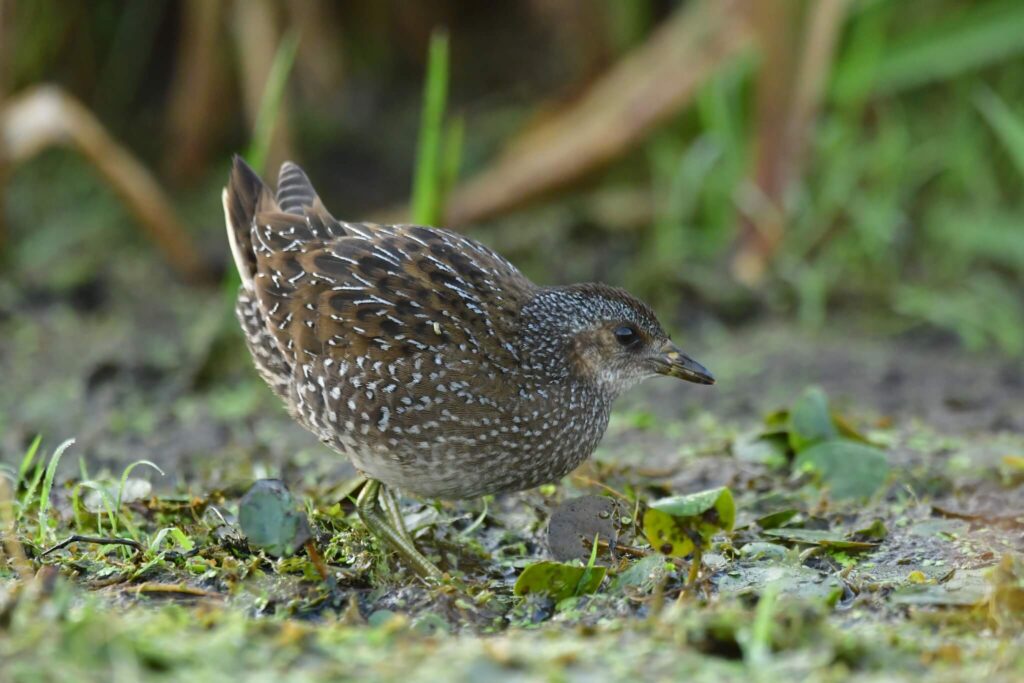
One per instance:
(820,537)
(558,580)
(715,508)
(271,519)
(590,580)
(666,535)
(810,421)
(850,470)
(673,525)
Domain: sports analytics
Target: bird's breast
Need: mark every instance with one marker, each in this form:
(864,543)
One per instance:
(457,442)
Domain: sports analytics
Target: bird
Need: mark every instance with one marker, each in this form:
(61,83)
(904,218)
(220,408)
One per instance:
(425,357)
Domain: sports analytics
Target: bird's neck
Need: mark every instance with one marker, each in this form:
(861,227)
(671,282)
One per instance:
(550,382)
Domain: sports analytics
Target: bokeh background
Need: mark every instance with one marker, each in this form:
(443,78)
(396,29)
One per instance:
(808,191)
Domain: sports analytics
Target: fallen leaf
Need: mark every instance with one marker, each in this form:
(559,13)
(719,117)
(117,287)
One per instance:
(850,470)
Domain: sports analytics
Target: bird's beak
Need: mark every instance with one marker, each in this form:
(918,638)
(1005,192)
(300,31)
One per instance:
(673,362)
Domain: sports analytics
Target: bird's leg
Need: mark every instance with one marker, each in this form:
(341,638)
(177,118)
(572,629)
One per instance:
(366,507)
(393,512)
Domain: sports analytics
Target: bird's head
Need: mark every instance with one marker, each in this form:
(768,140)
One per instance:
(609,337)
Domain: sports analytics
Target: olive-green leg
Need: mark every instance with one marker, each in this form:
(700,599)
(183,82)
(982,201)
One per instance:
(378,524)
(392,512)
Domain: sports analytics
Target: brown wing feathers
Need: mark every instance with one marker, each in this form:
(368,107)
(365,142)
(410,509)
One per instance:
(341,289)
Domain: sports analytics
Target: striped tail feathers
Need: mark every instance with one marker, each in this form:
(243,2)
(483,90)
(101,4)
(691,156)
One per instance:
(295,195)
(244,197)
(294,191)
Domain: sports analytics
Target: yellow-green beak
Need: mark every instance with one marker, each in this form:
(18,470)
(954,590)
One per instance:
(673,362)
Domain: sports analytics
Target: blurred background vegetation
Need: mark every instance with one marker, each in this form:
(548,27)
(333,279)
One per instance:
(843,164)
(798,158)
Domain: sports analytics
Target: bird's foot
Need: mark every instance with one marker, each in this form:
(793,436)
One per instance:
(389,528)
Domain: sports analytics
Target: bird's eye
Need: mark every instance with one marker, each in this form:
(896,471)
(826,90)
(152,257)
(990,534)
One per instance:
(627,335)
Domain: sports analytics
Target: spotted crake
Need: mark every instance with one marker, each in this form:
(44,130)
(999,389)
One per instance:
(424,356)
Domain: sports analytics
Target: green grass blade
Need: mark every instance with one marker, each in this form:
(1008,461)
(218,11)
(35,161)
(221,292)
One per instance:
(26,461)
(1008,126)
(270,104)
(981,34)
(856,67)
(26,500)
(44,492)
(427,182)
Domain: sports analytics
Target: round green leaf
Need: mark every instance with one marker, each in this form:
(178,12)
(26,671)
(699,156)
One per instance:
(849,469)
(810,421)
(271,519)
(666,534)
(709,511)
